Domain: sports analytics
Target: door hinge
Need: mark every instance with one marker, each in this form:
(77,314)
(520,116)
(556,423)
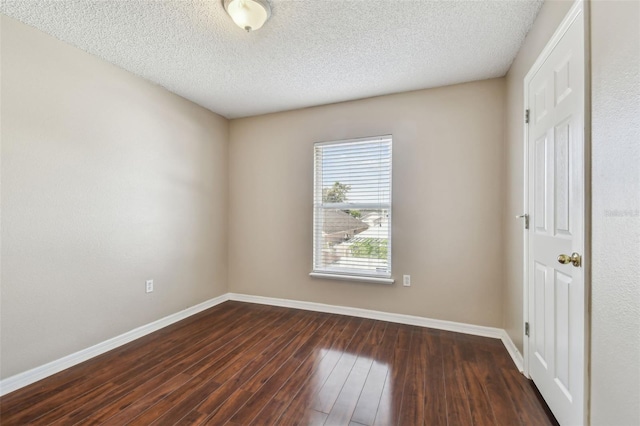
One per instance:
(526,116)
(526,329)
(526,219)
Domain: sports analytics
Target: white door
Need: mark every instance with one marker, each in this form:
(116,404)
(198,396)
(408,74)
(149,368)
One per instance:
(556,236)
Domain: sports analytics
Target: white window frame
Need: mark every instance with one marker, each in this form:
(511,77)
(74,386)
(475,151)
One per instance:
(344,273)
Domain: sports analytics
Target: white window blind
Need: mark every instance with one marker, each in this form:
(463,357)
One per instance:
(352,207)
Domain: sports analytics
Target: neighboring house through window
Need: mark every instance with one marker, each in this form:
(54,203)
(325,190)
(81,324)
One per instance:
(352,209)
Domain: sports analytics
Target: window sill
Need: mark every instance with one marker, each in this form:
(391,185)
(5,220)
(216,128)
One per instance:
(360,278)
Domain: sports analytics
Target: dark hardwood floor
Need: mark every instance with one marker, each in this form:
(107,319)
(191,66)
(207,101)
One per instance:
(246,364)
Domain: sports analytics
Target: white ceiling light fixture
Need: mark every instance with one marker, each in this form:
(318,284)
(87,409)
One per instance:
(250,15)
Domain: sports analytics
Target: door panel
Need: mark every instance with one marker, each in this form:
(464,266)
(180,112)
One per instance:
(562,81)
(540,287)
(562,174)
(562,308)
(540,183)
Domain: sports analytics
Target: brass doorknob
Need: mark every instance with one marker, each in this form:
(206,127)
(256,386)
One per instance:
(575,259)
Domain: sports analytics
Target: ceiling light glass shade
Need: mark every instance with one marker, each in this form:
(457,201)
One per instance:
(249,15)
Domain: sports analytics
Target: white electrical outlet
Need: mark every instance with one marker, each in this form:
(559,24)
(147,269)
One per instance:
(406,280)
(149,286)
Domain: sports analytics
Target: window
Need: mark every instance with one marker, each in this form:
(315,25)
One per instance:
(352,209)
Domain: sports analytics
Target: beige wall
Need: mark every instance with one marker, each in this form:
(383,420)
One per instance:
(615,322)
(447,202)
(549,17)
(107,180)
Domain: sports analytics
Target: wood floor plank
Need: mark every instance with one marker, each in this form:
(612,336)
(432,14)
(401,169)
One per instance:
(490,376)
(206,401)
(191,389)
(254,359)
(369,399)
(458,410)
(391,400)
(347,399)
(252,345)
(165,369)
(309,357)
(178,410)
(477,396)
(479,403)
(127,361)
(248,364)
(435,404)
(216,361)
(70,406)
(413,399)
(260,388)
(88,405)
(526,403)
(364,384)
(182,367)
(255,382)
(328,394)
(300,402)
(213,347)
(316,418)
(156,388)
(50,408)
(177,406)
(245,381)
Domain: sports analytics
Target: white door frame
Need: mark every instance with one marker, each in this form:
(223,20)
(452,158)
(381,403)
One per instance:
(574,12)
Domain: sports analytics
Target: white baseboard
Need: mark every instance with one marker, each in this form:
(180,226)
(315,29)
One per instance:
(511,347)
(20,380)
(458,327)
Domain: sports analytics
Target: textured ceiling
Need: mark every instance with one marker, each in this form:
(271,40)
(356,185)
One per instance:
(310,52)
